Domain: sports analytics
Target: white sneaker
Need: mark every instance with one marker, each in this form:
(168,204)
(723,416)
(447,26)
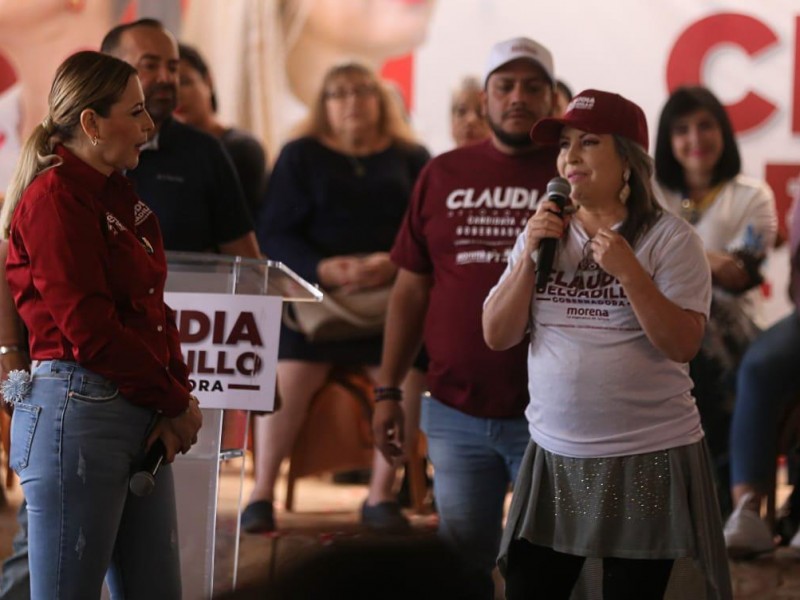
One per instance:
(746,534)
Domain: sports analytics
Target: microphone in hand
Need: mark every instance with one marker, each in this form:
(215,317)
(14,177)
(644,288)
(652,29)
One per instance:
(143,480)
(558,190)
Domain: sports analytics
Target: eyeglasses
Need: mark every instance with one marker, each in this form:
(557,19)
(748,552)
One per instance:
(359,91)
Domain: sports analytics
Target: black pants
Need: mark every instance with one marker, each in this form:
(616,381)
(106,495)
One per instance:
(537,572)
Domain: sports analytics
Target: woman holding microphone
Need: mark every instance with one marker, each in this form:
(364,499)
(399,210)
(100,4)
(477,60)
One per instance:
(617,468)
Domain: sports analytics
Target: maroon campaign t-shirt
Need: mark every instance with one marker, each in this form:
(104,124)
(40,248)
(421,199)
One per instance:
(468,207)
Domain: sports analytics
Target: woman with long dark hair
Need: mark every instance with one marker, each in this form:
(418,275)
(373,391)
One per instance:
(698,177)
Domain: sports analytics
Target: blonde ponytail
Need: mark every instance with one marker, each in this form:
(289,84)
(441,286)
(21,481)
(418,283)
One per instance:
(86,79)
(36,157)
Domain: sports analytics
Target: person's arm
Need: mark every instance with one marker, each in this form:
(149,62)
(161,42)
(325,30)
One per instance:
(62,239)
(230,216)
(737,268)
(727,271)
(12,338)
(506,313)
(285,214)
(402,340)
(676,331)
(251,166)
(177,366)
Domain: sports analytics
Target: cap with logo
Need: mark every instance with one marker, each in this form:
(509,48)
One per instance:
(503,53)
(597,112)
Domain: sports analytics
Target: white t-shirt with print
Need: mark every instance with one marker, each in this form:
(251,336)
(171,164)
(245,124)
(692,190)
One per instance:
(598,386)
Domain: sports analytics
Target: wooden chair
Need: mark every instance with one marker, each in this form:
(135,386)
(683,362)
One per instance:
(337,435)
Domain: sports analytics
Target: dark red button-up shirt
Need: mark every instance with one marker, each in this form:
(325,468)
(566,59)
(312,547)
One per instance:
(86,267)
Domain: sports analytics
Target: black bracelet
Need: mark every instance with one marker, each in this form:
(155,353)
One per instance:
(388,393)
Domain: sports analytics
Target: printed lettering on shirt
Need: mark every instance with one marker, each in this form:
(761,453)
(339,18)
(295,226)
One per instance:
(487,221)
(587,298)
(169,177)
(114,224)
(141,211)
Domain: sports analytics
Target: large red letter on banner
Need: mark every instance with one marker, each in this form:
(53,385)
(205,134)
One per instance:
(685,64)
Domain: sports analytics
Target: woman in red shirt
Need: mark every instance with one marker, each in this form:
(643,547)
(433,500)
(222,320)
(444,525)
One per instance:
(86,268)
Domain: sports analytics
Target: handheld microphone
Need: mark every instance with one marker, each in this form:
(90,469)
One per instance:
(558,190)
(143,481)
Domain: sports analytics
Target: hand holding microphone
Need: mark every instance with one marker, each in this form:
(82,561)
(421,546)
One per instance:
(167,438)
(547,227)
(143,481)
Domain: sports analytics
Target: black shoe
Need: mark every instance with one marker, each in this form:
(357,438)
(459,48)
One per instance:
(258,517)
(384,517)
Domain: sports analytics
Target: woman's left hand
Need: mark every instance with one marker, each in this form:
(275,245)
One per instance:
(613,253)
(374,270)
(727,271)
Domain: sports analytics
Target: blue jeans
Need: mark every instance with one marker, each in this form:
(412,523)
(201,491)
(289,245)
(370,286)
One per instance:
(74,441)
(474,459)
(769,371)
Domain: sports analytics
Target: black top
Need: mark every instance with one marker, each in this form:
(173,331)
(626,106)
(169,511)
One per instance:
(321,203)
(191,185)
(250,162)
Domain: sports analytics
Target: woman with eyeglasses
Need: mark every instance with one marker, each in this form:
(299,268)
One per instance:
(617,469)
(698,177)
(335,201)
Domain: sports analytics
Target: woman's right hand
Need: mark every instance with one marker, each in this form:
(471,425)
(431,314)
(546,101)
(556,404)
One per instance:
(545,223)
(178,434)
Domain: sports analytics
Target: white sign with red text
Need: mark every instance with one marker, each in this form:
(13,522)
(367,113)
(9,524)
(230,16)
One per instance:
(230,343)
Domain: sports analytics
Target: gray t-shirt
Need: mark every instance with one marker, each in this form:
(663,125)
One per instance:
(598,386)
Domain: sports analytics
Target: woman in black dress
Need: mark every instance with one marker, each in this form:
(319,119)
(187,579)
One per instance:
(335,201)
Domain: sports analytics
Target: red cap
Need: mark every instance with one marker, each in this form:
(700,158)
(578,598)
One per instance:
(596,112)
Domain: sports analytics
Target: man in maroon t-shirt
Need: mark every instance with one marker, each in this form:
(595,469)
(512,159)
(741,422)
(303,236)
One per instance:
(468,207)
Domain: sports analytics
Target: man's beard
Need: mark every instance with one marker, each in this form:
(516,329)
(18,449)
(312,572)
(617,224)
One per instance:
(512,140)
(161,109)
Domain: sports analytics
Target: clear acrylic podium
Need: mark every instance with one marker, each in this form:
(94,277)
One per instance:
(197,473)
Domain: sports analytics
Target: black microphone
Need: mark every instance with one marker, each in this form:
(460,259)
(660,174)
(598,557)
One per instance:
(143,481)
(558,190)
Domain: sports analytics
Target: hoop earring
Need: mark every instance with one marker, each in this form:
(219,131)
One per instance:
(94,140)
(625,192)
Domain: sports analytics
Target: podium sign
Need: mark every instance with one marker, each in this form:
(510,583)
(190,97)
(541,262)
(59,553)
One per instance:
(229,342)
(229,311)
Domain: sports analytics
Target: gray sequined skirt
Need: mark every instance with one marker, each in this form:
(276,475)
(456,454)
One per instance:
(644,506)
